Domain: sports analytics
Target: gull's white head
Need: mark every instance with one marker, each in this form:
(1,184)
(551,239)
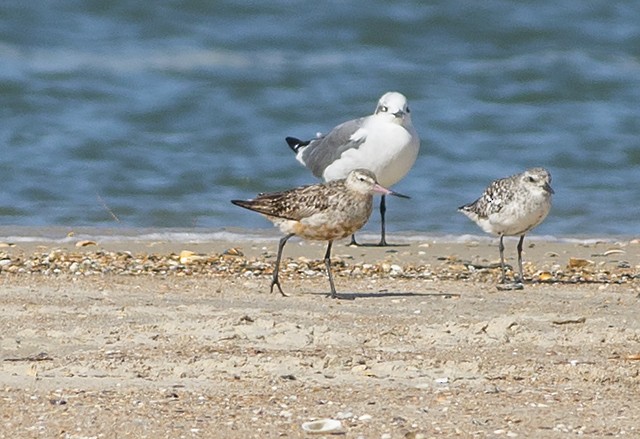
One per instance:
(394,106)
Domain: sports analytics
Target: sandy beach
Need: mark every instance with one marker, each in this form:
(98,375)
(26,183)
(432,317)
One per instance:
(166,339)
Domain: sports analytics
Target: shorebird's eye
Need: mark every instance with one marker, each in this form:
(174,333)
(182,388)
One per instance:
(384,108)
(532,180)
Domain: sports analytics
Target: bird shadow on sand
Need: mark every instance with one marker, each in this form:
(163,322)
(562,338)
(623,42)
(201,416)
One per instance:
(383,294)
(377,244)
(578,282)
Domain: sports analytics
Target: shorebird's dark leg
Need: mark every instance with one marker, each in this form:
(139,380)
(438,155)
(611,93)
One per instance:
(275,281)
(353,240)
(515,285)
(520,258)
(501,247)
(327,263)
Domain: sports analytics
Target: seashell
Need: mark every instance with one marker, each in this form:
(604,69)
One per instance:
(359,368)
(85,243)
(323,426)
(614,251)
(189,257)
(545,275)
(233,251)
(579,262)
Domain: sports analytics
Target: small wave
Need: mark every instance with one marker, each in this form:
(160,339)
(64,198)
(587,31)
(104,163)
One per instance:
(63,235)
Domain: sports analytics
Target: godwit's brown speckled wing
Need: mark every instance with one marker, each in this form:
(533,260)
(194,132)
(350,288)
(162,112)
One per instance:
(294,204)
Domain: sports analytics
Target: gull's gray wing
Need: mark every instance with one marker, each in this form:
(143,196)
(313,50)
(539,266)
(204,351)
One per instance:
(324,150)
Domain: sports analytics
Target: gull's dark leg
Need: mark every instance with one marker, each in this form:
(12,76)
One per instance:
(383,232)
(275,281)
(383,229)
(501,247)
(327,263)
(383,240)
(520,258)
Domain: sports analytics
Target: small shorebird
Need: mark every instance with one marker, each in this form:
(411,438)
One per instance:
(324,212)
(385,143)
(512,206)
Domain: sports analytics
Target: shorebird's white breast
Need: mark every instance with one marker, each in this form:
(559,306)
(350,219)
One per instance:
(518,217)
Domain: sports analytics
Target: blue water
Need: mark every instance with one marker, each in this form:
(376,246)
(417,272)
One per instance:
(155,114)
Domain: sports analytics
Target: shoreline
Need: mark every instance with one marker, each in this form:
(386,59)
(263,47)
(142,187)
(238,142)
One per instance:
(64,234)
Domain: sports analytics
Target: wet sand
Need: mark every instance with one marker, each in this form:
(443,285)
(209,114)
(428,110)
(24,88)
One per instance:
(153,339)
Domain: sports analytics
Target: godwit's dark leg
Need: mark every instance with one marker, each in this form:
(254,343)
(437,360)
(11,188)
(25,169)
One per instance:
(275,280)
(327,263)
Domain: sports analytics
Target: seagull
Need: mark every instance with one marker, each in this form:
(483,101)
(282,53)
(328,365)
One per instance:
(512,206)
(324,212)
(385,143)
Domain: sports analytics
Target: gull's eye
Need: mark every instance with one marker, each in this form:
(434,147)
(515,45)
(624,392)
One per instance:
(384,108)
(408,110)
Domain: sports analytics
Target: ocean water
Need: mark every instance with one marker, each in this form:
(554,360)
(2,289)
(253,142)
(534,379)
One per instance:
(137,114)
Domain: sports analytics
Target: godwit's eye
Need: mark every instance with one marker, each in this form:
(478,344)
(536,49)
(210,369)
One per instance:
(532,179)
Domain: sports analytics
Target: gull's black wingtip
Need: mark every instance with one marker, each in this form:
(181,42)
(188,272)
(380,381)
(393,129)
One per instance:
(295,144)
